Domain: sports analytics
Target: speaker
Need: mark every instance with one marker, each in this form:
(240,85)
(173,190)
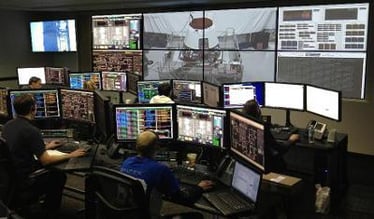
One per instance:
(331,136)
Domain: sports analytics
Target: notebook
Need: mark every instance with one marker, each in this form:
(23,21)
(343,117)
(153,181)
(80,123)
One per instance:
(243,194)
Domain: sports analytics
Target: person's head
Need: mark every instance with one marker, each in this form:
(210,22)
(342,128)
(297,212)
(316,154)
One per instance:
(24,105)
(147,143)
(35,83)
(252,108)
(164,89)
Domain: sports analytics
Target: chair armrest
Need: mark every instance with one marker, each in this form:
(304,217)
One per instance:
(37,173)
(112,206)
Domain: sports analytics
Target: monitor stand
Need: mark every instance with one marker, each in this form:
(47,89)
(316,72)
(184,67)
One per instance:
(121,97)
(288,119)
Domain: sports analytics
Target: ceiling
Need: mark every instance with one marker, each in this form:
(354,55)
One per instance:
(85,5)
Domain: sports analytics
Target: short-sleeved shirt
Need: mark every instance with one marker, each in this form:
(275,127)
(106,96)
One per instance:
(155,174)
(161,99)
(24,141)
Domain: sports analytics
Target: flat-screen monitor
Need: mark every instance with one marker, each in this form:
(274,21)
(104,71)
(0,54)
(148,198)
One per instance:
(201,125)
(132,83)
(114,81)
(102,116)
(131,120)
(116,31)
(247,139)
(55,75)
(24,74)
(77,105)
(77,80)
(148,89)
(187,91)
(46,101)
(284,95)
(323,102)
(53,36)
(4,102)
(211,94)
(235,95)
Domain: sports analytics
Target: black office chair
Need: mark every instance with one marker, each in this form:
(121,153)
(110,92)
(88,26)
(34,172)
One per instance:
(113,194)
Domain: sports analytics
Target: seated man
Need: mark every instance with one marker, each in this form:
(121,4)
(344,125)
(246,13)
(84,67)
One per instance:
(25,142)
(35,83)
(164,91)
(156,175)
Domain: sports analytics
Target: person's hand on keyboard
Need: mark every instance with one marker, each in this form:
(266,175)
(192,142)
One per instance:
(206,184)
(77,153)
(293,138)
(53,144)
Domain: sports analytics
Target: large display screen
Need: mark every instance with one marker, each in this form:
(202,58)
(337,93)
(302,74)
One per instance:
(323,102)
(24,74)
(283,95)
(53,36)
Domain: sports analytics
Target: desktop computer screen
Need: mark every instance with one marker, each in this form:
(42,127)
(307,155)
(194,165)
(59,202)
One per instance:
(148,89)
(284,95)
(46,101)
(323,102)
(77,80)
(54,75)
(130,120)
(247,139)
(187,91)
(236,94)
(132,83)
(4,102)
(114,81)
(24,74)
(201,125)
(77,105)
(210,94)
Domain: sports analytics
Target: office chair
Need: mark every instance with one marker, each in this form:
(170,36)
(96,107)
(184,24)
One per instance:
(113,194)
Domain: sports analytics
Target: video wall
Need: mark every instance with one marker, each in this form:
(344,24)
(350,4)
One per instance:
(321,45)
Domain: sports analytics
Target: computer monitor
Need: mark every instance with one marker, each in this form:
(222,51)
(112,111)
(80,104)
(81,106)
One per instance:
(235,95)
(201,125)
(131,120)
(114,81)
(132,83)
(323,102)
(46,101)
(78,79)
(211,94)
(102,116)
(148,89)
(247,139)
(55,75)
(187,91)
(77,105)
(4,103)
(24,74)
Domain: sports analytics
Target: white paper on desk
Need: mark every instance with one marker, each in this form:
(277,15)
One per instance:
(278,179)
(55,153)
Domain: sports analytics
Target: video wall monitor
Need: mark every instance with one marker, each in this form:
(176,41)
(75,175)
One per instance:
(187,91)
(148,89)
(116,31)
(46,101)
(114,81)
(77,80)
(323,102)
(24,74)
(284,95)
(247,139)
(77,105)
(235,95)
(118,60)
(53,36)
(132,83)
(201,125)
(4,103)
(54,75)
(211,94)
(313,39)
(131,120)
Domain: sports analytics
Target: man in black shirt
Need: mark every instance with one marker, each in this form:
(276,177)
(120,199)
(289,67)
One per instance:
(25,142)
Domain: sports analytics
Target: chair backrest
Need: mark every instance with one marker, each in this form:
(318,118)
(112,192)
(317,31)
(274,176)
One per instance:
(113,194)
(7,177)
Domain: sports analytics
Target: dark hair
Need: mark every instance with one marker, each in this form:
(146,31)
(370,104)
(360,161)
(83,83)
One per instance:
(252,108)
(34,79)
(23,104)
(164,89)
(147,143)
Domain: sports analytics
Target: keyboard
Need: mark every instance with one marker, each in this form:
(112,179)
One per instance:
(282,134)
(227,202)
(81,163)
(190,177)
(70,146)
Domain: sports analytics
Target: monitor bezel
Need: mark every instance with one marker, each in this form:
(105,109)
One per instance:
(66,75)
(85,72)
(185,80)
(237,83)
(285,108)
(26,84)
(139,79)
(113,72)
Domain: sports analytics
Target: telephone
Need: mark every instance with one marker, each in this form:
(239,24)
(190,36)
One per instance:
(319,129)
(225,170)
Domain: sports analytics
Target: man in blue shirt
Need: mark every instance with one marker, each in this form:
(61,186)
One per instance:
(156,175)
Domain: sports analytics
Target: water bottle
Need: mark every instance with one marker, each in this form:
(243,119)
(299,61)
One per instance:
(310,134)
